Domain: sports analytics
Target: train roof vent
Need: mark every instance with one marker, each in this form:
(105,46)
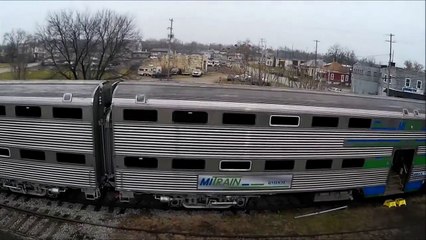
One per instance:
(140,98)
(404,112)
(67,97)
(416,112)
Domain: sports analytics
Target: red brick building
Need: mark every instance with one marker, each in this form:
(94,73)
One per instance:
(337,74)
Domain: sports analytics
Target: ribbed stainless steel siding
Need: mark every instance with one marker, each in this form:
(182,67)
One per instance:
(46,173)
(178,182)
(244,142)
(417,169)
(47,135)
(339,179)
(155,180)
(421,150)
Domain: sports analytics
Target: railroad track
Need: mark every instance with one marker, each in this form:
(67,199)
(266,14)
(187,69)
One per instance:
(39,218)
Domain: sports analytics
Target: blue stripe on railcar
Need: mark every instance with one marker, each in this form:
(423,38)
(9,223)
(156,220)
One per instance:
(413,186)
(404,125)
(374,191)
(373,140)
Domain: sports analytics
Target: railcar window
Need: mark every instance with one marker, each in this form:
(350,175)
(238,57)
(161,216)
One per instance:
(235,165)
(180,163)
(140,162)
(319,164)
(279,165)
(325,121)
(32,154)
(71,158)
(2,110)
(72,113)
(292,121)
(359,123)
(4,152)
(189,117)
(140,115)
(353,163)
(27,111)
(239,118)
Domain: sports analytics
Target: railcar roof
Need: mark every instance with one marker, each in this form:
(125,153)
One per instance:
(80,89)
(254,94)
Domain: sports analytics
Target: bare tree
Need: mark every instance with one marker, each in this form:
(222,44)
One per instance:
(413,65)
(417,66)
(369,61)
(84,45)
(340,54)
(18,52)
(408,64)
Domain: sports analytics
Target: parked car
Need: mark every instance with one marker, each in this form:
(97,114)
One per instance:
(230,77)
(47,62)
(159,75)
(176,71)
(334,89)
(245,77)
(197,73)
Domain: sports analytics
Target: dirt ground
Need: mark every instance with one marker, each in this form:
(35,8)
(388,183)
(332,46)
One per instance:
(207,78)
(409,219)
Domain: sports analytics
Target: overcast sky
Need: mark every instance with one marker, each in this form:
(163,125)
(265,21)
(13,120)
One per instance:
(360,25)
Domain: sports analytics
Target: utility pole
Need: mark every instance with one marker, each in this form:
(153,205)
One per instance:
(261,48)
(316,56)
(170,37)
(390,62)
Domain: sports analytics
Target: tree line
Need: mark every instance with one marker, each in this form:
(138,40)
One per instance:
(85,45)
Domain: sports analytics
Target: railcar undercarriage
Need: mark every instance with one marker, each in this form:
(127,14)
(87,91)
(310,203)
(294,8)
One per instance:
(204,201)
(196,200)
(42,190)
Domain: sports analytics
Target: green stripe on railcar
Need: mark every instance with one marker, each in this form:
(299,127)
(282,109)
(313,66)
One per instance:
(384,143)
(377,162)
(419,160)
(415,125)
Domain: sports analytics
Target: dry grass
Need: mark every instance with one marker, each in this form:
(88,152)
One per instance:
(34,75)
(282,223)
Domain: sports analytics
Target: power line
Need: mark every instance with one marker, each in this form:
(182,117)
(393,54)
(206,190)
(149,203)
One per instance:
(375,55)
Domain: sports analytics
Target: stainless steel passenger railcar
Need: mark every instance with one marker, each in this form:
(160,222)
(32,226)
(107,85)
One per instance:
(209,146)
(50,138)
(206,146)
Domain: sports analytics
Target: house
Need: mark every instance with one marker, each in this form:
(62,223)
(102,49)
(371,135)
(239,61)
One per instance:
(373,79)
(157,52)
(235,57)
(39,53)
(311,67)
(270,61)
(336,74)
(186,63)
(401,80)
(288,63)
(366,78)
(140,54)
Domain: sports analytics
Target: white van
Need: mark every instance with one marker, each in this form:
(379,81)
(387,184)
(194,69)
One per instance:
(148,71)
(144,72)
